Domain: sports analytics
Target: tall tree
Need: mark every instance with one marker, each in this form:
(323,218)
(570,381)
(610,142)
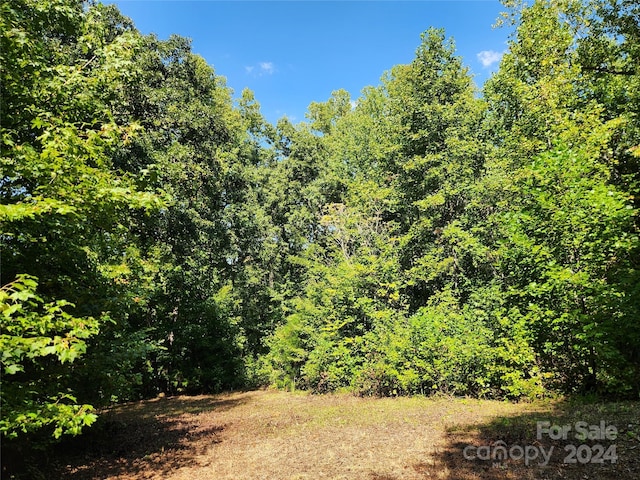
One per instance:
(64,208)
(550,119)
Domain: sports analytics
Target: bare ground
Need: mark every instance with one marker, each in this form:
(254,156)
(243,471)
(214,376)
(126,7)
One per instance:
(279,435)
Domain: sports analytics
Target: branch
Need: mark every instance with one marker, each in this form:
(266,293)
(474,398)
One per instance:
(609,70)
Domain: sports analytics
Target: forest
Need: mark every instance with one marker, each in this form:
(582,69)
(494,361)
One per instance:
(159,236)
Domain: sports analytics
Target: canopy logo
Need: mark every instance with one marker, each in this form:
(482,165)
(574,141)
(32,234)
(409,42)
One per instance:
(499,452)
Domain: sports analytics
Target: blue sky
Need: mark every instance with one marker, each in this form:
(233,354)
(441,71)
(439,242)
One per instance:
(291,53)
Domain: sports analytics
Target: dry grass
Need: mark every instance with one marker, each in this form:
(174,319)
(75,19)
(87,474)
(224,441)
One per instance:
(279,435)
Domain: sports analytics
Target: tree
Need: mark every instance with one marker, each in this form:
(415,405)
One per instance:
(64,208)
(570,253)
(553,128)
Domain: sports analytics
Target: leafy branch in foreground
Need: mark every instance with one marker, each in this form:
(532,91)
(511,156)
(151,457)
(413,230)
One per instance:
(36,334)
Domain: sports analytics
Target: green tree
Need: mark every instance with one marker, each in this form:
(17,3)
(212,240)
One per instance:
(433,104)
(65,209)
(570,267)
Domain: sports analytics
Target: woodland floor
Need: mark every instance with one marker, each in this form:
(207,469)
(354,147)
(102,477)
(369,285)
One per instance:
(279,435)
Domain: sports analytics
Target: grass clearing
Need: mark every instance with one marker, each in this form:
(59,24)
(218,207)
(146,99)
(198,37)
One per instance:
(282,435)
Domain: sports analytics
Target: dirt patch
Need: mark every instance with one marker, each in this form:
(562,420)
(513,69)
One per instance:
(279,435)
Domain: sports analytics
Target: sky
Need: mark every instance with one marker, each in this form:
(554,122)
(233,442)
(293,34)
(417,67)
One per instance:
(291,53)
